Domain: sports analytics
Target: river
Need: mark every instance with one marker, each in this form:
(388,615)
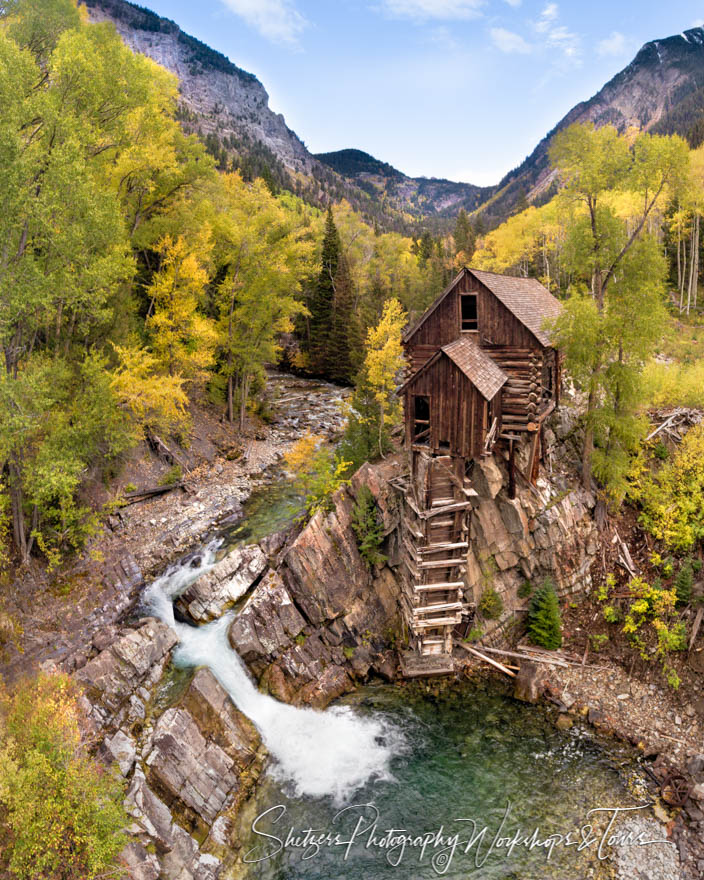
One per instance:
(424,761)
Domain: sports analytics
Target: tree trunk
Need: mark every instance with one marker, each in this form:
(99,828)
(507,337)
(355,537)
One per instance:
(17,508)
(230,399)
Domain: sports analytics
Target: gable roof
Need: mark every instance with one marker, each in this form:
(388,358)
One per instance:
(525,298)
(409,331)
(486,376)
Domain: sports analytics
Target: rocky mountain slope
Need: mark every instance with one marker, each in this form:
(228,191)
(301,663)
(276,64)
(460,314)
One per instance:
(422,196)
(661,90)
(229,108)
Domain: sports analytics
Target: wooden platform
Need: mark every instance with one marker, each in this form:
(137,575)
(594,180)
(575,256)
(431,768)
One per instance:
(415,665)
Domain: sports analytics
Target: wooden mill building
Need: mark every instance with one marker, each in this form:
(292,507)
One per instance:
(482,370)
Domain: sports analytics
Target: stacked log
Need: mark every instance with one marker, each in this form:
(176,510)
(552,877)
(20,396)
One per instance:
(521,396)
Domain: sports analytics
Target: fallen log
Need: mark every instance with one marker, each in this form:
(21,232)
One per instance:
(144,494)
(495,663)
(555,660)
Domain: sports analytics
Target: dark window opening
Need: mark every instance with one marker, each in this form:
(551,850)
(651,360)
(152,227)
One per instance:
(421,418)
(468,312)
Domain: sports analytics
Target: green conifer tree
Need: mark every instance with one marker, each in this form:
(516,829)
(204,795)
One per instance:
(339,366)
(464,235)
(322,300)
(544,625)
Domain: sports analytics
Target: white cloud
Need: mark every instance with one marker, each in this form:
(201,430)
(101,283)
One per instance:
(443,10)
(614,44)
(277,20)
(698,22)
(514,3)
(547,16)
(509,42)
(557,37)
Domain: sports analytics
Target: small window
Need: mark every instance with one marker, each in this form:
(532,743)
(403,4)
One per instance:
(468,312)
(421,418)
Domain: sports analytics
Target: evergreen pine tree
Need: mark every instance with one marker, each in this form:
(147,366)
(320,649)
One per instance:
(323,296)
(544,625)
(464,235)
(339,359)
(367,527)
(683,583)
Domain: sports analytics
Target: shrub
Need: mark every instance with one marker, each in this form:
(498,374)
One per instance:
(367,527)
(672,500)
(684,581)
(172,476)
(611,615)
(544,624)
(598,640)
(475,633)
(525,590)
(61,812)
(491,604)
(661,451)
(317,472)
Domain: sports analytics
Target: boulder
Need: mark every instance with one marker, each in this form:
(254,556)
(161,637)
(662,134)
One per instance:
(487,479)
(218,589)
(267,623)
(188,771)
(121,748)
(134,660)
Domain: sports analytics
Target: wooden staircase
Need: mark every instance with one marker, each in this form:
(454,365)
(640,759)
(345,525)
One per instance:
(435,543)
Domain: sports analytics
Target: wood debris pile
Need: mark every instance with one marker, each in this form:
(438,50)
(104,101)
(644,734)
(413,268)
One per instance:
(674,423)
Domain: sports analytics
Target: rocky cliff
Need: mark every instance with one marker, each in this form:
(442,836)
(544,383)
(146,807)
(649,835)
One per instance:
(312,622)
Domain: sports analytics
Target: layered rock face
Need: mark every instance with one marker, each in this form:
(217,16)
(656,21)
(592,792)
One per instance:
(190,758)
(323,619)
(546,531)
(313,622)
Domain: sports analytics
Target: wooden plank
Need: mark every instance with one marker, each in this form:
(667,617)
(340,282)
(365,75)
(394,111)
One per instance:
(486,659)
(445,585)
(432,623)
(441,606)
(443,563)
(434,548)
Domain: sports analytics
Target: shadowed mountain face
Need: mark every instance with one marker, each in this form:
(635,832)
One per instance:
(661,90)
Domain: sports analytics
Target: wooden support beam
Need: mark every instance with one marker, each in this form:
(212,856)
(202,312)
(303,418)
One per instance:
(446,585)
(441,606)
(495,663)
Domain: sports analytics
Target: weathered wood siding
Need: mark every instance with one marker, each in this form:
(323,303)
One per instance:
(497,325)
(458,412)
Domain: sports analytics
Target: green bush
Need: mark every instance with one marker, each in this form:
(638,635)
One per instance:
(491,605)
(367,526)
(61,813)
(525,590)
(544,624)
(172,476)
(684,580)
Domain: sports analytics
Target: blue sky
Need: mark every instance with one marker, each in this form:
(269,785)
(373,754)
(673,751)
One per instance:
(462,89)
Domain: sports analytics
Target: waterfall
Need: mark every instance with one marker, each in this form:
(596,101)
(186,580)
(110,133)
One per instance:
(330,753)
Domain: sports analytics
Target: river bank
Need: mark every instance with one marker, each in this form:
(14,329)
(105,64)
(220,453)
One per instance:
(57,615)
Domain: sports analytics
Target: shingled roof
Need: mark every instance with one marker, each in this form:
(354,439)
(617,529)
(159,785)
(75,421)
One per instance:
(526,298)
(486,376)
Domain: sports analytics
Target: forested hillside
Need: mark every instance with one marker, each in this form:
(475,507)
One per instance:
(137,277)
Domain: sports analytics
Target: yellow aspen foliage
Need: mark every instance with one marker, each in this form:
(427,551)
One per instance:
(61,813)
(152,399)
(182,339)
